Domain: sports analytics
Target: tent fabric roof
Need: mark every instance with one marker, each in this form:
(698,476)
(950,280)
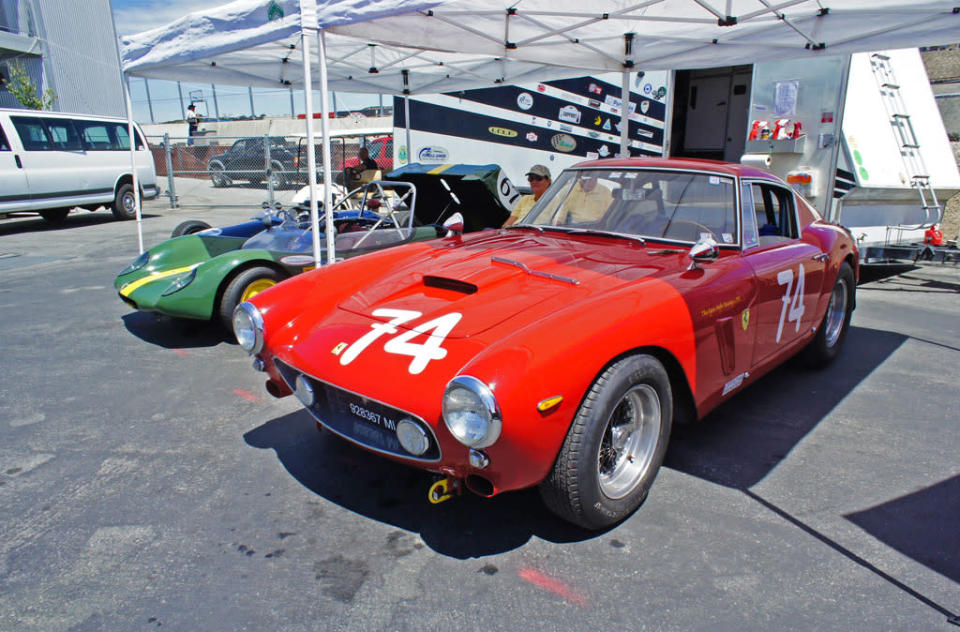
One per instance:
(666,34)
(430,46)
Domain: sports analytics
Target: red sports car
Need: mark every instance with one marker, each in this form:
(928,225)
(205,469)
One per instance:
(560,351)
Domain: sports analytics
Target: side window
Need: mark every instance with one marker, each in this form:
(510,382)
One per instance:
(120,138)
(64,134)
(775,213)
(32,133)
(4,145)
(94,135)
(749,215)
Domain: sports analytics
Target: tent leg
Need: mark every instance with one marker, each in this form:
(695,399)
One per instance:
(325,126)
(625,115)
(133,163)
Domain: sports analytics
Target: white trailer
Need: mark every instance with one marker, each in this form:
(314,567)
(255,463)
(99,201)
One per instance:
(872,153)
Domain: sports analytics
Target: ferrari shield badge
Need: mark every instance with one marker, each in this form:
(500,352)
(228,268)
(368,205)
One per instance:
(745,318)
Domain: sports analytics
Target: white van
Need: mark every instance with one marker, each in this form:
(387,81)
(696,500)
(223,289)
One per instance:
(52,162)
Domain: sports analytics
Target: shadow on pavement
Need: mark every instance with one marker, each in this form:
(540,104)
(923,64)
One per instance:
(462,528)
(924,526)
(15,224)
(176,333)
(740,442)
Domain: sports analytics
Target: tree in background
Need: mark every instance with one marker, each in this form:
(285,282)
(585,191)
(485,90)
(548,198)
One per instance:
(23,90)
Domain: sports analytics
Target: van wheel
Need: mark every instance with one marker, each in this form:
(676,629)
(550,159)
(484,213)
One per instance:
(55,215)
(189,227)
(125,204)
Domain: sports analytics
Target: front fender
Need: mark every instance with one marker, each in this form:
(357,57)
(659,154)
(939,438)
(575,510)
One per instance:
(561,354)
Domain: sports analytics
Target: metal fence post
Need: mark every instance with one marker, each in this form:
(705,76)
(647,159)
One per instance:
(171,186)
(269,169)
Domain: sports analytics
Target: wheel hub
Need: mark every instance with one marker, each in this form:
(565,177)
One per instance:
(629,442)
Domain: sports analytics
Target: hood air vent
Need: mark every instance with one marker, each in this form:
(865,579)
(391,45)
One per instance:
(454,285)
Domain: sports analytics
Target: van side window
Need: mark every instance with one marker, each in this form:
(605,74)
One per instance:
(64,134)
(32,133)
(4,145)
(121,139)
(95,135)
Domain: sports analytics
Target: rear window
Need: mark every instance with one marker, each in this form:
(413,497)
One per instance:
(4,145)
(95,135)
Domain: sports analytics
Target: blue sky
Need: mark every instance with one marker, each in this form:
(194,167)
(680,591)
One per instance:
(133,16)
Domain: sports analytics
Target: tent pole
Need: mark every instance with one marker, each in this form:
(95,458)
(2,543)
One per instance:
(625,114)
(406,120)
(133,162)
(325,126)
(308,21)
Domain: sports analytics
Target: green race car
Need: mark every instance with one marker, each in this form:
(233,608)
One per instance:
(204,273)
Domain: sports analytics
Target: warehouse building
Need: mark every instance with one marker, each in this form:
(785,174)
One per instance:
(67,47)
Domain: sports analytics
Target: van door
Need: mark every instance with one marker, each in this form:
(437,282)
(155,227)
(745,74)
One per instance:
(14,193)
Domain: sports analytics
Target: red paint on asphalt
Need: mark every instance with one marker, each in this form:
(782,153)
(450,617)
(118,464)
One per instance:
(246,395)
(181,353)
(555,586)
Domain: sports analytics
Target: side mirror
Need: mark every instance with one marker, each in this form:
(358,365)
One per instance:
(454,225)
(705,249)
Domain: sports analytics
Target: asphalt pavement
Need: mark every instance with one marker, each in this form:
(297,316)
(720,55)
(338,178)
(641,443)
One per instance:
(147,481)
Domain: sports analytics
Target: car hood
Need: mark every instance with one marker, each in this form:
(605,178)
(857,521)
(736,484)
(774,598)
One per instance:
(494,277)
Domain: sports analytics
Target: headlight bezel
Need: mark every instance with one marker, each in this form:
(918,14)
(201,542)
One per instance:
(488,405)
(182,281)
(249,311)
(142,260)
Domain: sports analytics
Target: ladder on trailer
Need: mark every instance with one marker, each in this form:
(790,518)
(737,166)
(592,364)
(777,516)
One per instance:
(906,139)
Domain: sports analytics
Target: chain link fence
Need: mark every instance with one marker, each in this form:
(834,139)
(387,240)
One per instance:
(205,170)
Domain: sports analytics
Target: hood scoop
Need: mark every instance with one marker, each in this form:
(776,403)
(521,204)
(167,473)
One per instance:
(446,283)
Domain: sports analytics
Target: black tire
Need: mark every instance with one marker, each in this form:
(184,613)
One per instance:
(277,176)
(125,203)
(218,178)
(836,322)
(189,227)
(240,287)
(593,483)
(55,216)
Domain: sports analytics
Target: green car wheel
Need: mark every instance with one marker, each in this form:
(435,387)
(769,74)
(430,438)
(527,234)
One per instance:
(245,286)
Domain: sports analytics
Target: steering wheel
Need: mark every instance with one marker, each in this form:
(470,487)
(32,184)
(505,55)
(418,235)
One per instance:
(695,224)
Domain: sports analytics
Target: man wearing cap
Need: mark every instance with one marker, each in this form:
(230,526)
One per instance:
(539,179)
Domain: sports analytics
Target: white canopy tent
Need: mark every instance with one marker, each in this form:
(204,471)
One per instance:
(419,46)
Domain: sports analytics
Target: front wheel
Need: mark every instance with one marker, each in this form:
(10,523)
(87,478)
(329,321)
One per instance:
(615,445)
(189,227)
(278,179)
(245,286)
(125,203)
(836,322)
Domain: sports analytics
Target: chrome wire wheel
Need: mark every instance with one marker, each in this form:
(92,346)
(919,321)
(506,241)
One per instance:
(629,441)
(836,312)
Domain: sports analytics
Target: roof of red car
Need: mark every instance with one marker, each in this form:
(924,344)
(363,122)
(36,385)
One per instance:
(728,168)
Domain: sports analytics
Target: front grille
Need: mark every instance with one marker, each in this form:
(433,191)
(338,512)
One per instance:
(364,421)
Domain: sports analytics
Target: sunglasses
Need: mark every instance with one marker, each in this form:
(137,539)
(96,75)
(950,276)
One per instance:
(534,178)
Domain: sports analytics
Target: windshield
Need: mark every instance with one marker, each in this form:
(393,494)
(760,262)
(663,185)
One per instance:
(647,203)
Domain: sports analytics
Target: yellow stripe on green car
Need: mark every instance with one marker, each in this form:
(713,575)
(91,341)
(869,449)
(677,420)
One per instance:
(154,276)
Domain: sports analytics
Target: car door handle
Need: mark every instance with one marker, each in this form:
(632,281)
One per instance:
(16,158)
(821,257)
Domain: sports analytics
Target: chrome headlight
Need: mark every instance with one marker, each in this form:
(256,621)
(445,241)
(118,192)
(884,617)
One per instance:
(180,282)
(470,412)
(136,264)
(248,327)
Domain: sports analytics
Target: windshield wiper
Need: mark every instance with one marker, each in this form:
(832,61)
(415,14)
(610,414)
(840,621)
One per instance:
(606,233)
(534,226)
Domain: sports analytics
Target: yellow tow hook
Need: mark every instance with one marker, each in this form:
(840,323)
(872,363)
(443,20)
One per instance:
(443,490)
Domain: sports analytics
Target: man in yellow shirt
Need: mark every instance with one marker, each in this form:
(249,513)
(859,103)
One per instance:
(539,179)
(587,202)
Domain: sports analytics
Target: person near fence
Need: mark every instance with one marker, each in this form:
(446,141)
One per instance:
(352,174)
(193,123)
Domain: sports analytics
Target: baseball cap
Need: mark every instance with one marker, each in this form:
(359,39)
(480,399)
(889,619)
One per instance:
(539,170)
